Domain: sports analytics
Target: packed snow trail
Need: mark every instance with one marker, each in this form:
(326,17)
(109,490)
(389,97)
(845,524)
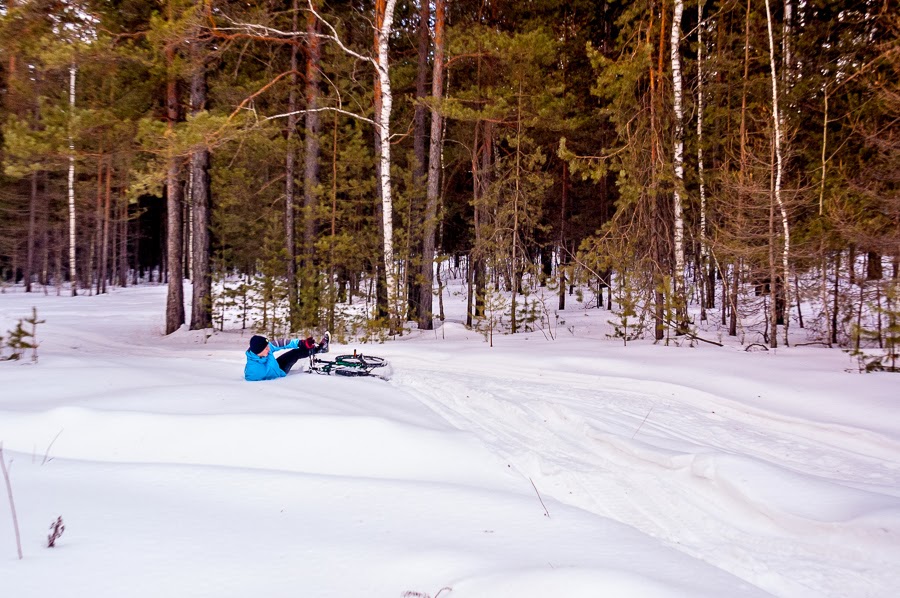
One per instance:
(777,501)
(175,476)
(666,471)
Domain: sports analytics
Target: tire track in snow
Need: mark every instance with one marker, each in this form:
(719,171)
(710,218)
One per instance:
(679,479)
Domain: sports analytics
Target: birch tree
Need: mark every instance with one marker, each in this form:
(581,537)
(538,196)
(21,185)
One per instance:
(384,19)
(681,306)
(71,182)
(776,121)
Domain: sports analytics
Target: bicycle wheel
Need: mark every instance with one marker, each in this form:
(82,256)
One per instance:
(340,370)
(364,362)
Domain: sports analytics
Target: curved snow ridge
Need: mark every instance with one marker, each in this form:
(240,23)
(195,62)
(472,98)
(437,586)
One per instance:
(573,436)
(353,446)
(794,501)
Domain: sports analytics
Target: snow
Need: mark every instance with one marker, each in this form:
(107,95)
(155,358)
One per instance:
(664,471)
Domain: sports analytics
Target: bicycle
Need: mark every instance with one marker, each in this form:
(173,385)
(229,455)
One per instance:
(355,365)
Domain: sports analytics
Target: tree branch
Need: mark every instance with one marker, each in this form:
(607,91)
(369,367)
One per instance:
(334,37)
(326,108)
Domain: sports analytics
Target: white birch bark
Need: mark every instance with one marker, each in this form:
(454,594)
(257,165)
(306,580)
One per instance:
(72,266)
(383,125)
(776,118)
(679,154)
(787,51)
(382,65)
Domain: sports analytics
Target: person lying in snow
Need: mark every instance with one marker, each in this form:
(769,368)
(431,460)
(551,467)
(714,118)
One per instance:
(262,364)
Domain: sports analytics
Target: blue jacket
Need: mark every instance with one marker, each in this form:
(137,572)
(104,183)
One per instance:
(266,368)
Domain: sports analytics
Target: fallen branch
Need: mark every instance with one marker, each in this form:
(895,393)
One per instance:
(698,338)
(642,422)
(12,505)
(546,512)
(691,334)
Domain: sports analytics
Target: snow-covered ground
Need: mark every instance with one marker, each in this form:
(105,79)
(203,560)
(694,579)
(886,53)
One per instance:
(573,467)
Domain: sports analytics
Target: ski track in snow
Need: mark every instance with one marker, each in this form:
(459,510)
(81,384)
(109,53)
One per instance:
(678,474)
(797,507)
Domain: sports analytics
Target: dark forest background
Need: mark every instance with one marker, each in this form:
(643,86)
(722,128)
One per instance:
(728,161)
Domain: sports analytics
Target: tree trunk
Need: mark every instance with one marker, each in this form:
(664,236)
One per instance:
(742,172)
(174,257)
(678,278)
(773,276)
(73,277)
(384,18)
(123,237)
(487,161)
(97,241)
(333,298)
(837,296)
(874,267)
(416,203)
(103,274)
(707,284)
(563,255)
(786,48)
(32,217)
(311,167)
(201,300)
(776,120)
(434,174)
(470,292)
(655,215)
(515,230)
(289,227)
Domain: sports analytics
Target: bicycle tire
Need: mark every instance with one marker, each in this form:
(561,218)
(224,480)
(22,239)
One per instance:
(351,372)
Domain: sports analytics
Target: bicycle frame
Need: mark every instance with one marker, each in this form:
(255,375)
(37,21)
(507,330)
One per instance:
(347,365)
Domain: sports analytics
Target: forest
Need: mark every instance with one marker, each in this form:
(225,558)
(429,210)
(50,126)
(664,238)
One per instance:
(734,162)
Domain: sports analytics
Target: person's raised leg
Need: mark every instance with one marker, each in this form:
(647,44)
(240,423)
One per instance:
(287,359)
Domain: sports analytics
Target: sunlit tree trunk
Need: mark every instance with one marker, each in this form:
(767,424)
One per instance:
(201,302)
(384,18)
(72,264)
(776,120)
(311,168)
(174,257)
(678,158)
(289,227)
(706,282)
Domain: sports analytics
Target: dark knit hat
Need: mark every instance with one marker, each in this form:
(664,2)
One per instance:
(258,344)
